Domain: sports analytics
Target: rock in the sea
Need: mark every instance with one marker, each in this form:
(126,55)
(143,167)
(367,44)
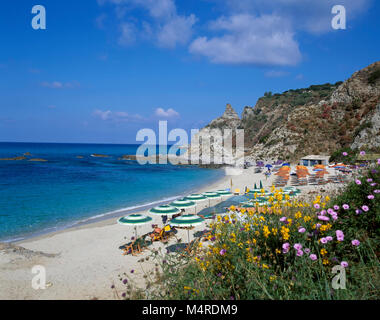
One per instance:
(13,159)
(38,160)
(99,155)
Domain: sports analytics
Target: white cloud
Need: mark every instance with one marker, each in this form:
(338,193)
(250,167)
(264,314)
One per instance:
(276,74)
(165,26)
(128,34)
(176,31)
(264,40)
(116,116)
(60,85)
(170,113)
(306,15)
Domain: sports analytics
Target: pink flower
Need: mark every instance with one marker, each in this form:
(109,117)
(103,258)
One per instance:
(299,253)
(365,208)
(335,217)
(324,240)
(330,211)
(346,207)
(283,219)
(345,154)
(329,238)
(344,264)
(376,191)
(316,206)
(285,247)
(362,153)
(358,182)
(378,161)
(301,230)
(318,225)
(313,257)
(336,207)
(373,184)
(355,242)
(297,246)
(307,250)
(339,235)
(371,196)
(358,211)
(223,252)
(323,218)
(323,212)
(369,180)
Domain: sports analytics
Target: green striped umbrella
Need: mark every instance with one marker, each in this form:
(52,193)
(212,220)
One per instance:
(187,220)
(196,197)
(261,185)
(165,210)
(183,204)
(212,195)
(224,192)
(134,220)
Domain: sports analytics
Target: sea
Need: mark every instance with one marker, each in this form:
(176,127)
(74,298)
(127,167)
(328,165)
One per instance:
(73,187)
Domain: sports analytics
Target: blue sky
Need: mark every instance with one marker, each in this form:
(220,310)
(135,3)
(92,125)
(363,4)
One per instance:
(104,69)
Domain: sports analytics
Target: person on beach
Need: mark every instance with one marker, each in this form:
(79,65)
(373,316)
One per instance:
(164,219)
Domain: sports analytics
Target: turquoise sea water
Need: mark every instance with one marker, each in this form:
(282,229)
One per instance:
(40,197)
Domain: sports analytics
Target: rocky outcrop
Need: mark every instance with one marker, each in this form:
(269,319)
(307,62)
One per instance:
(369,132)
(229,120)
(316,120)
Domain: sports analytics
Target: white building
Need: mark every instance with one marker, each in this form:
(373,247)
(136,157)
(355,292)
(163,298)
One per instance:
(312,160)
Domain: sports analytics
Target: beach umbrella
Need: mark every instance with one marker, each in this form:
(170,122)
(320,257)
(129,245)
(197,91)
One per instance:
(286,164)
(268,166)
(211,194)
(165,210)
(196,197)
(183,204)
(224,192)
(261,185)
(255,186)
(134,220)
(187,220)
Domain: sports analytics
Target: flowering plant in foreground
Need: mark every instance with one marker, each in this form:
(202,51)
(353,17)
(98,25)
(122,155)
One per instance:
(286,250)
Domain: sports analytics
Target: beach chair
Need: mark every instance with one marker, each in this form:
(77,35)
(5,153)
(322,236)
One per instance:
(237,192)
(163,234)
(133,248)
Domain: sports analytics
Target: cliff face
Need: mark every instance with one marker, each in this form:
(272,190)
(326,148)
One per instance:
(316,120)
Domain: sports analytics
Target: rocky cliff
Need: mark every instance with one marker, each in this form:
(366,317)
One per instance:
(316,120)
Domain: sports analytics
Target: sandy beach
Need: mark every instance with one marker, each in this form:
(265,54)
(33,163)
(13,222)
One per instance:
(83,262)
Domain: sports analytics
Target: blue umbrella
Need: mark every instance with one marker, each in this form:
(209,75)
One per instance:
(269,166)
(286,164)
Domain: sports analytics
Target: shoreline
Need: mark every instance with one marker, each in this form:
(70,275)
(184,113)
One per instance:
(84,261)
(106,218)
